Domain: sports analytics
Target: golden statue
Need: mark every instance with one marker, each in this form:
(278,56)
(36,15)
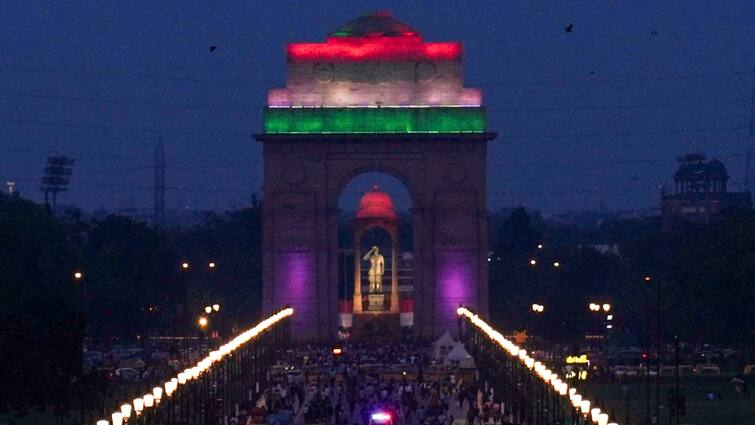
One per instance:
(377,268)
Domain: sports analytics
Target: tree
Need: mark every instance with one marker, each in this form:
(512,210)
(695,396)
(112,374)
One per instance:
(129,277)
(41,341)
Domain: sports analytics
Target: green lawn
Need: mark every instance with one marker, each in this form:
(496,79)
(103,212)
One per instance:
(732,409)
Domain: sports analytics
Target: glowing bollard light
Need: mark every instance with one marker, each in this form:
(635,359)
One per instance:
(576,401)
(169,388)
(157,393)
(138,405)
(149,400)
(584,407)
(603,419)
(594,413)
(562,389)
(126,411)
(102,422)
(117,418)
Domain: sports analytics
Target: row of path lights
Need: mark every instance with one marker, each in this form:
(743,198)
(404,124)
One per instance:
(531,392)
(189,397)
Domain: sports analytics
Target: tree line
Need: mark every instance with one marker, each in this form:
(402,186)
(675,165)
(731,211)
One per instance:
(706,275)
(114,280)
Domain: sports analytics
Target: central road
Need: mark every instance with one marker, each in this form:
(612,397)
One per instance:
(373,383)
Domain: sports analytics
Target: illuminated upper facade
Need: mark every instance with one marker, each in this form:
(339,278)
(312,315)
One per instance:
(374,75)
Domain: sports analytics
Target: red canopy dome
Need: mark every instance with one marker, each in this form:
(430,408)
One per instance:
(376,204)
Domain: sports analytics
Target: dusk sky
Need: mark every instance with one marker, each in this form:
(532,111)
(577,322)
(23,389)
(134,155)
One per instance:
(589,118)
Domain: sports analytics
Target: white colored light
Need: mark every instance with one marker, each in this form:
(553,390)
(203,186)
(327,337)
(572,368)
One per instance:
(576,400)
(117,418)
(594,412)
(126,410)
(603,419)
(381,417)
(157,392)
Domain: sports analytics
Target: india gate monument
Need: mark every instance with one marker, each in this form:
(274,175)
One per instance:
(374,97)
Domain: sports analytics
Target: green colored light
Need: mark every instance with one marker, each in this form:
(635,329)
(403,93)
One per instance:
(374,120)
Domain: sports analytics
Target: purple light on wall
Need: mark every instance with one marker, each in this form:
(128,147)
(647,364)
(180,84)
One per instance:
(456,280)
(295,286)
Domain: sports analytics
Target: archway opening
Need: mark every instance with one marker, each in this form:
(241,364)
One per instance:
(375,247)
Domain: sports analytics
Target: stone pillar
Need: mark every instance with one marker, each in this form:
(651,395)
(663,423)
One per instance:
(394,272)
(358,272)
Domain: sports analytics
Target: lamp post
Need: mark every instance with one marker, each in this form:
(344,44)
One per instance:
(138,407)
(537,309)
(78,280)
(202,322)
(646,354)
(658,352)
(149,404)
(126,411)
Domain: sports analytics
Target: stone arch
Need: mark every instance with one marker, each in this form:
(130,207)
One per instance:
(380,167)
(445,177)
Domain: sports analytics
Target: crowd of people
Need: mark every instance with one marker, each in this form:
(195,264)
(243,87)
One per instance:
(362,384)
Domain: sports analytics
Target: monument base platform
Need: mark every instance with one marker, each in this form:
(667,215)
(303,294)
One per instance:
(376,326)
(376,302)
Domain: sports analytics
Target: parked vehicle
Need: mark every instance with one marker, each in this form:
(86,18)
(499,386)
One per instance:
(128,374)
(707,369)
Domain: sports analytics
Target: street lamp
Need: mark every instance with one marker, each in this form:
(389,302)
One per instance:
(211,265)
(185,265)
(533,262)
(78,275)
(202,322)
(208,309)
(556,264)
(216,307)
(606,307)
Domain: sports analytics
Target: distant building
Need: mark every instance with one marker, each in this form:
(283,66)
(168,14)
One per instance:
(700,191)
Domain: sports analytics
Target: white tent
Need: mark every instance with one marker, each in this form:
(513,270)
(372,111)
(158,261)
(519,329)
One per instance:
(443,345)
(459,355)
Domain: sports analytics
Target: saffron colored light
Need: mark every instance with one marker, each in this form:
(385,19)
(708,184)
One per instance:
(386,49)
